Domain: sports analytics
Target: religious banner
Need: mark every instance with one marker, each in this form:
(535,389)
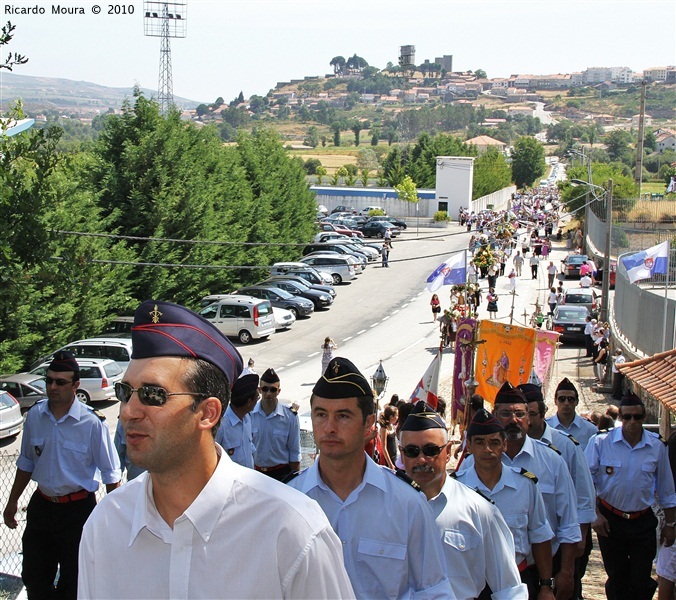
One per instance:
(463,356)
(506,355)
(545,352)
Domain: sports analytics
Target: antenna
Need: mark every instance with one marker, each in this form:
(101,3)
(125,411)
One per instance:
(165,20)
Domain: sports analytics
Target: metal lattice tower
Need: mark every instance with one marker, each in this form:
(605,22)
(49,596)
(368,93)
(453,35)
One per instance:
(165,20)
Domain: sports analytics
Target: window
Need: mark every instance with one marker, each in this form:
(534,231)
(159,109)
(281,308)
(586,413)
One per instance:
(227,311)
(243,312)
(210,312)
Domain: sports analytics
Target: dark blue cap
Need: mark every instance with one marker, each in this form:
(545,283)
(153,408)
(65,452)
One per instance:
(483,423)
(508,394)
(63,361)
(423,417)
(244,388)
(532,392)
(166,329)
(341,380)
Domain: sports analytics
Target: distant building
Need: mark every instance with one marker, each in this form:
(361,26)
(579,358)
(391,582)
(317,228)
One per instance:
(484,142)
(647,121)
(613,74)
(446,62)
(666,140)
(657,73)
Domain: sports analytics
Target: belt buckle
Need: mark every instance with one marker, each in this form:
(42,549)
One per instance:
(53,499)
(626,516)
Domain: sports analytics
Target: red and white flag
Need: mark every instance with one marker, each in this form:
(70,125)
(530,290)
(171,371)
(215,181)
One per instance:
(428,386)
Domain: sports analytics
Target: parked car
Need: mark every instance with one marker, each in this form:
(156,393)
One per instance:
(240,316)
(569,321)
(26,388)
(11,419)
(367,210)
(378,228)
(353,260)
(300,307)
(117,349)
(363,257)
(118,327)
(387,219)
(322,209)
(319,299)
(323,226)
(301,269)
(570,266)
(585,297)
(344,208)
(358,246)
(339,267)
(282,318)
(318,287)
(98,377)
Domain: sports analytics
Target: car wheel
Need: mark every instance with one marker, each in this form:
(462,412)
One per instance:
(82,396)
(379,234)
(294,312)
(244,336)
(337,279)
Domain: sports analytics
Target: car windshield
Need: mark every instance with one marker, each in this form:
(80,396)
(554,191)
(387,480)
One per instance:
(577,260)
(570,314)
(6,400)
(578,298)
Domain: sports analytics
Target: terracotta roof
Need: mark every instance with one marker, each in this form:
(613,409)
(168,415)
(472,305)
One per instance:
(656,375)
(484,140)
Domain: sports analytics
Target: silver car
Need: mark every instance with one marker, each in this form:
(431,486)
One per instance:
(11,419)
(25,387)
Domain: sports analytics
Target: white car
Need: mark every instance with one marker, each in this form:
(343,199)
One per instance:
(364,212)
(283,319)
(11,419)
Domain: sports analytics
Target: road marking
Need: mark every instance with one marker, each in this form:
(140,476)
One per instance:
(404,305)
(360,332)
(394,312)
(347,339)
(375,324)
(313,354)
(408,347)
(295,362)
(385,318)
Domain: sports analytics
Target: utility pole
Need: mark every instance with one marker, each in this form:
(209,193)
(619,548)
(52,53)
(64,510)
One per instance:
(605,287)
(639,147)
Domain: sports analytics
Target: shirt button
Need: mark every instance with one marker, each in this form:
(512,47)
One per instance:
(462,546)
(344,542)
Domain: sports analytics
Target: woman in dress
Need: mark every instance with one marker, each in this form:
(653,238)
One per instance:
(436,306)
(327,352)
(492,300)
(388,436)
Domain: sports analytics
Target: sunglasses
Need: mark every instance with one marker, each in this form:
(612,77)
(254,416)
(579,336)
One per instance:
(412,451)
(265,388)
(627,417)
(571,399)
(59,382)
(150,395)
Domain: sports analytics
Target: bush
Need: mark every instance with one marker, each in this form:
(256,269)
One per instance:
(376,213)
(440,215)
(311,165)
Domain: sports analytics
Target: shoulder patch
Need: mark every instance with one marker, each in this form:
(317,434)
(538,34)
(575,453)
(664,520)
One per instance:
(572,439)
(528,474)
(484,496)
(99,414)
(553,447)
(405,478)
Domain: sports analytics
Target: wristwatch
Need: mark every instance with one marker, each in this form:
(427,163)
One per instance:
(547,583)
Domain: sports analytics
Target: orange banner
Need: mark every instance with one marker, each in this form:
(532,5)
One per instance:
(506,355)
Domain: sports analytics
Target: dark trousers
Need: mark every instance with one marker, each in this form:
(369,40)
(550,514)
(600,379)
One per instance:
(617,386)
(628,552)
(278,474)
(534,271)
(588,344)
(492,280)
(531,578)
(581,564)
(50,541)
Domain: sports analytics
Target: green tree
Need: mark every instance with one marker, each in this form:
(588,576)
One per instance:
(312,137)
(407,191)
(12,59)
(480,74)
(311,165)
(367,159)
(336,127)
(528,161)
(364,177)
(338,64)
(491,173)
(617,145)
(356,127)
(321,173)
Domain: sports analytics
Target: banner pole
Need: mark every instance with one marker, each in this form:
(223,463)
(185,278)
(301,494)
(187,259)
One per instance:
(666,299)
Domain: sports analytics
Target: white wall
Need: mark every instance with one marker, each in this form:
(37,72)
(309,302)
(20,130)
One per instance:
(455,176)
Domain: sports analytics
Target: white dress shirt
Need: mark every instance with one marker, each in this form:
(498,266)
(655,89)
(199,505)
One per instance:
(478,545)
(244,536)
(519,500)
(627,478)
(234,436)
(391,546)
(581,429)
(72,454)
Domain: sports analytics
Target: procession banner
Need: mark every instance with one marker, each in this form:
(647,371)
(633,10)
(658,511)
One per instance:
(463,356)
(427,389)
(506,355)
(545,353)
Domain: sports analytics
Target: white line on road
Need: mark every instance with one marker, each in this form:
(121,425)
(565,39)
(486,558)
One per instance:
(394,312)
(360,332)
(295,362)
(313,354)
(378,323)
(408,347)
(404,305)
(347,339)
(385,318)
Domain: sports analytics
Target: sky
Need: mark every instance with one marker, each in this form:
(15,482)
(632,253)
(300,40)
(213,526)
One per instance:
(250,45)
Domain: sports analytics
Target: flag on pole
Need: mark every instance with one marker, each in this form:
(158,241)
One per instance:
(428,386)
(451,272)
(646,263)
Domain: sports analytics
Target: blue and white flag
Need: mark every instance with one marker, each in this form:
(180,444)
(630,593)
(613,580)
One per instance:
(451,272)
(646,263)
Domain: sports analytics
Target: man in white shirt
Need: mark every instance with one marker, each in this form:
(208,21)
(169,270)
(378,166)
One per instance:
(180,529)
(585,281)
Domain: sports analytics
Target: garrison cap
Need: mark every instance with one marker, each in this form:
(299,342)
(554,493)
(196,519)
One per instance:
(166,329)
(64,361)
(244,388)
(270,376)
(532,392)
(423,417)
(508,394)
(342,380)
(566,385)
(484,423)
(631,400)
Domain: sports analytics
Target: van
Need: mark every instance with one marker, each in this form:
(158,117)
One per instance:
(339,267)
(243,317)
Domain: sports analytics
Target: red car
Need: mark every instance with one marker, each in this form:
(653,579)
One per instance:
(341,230)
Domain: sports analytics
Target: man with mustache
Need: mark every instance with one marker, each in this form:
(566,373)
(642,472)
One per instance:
(391,546)
(179,530)
(554,480)
(478,545)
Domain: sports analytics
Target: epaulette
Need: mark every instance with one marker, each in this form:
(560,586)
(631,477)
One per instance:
(552,447)
(454,475)
(99,414)
(290,477)
(572,439)
(484,496)
(405,478)
(528,474)
(658,436)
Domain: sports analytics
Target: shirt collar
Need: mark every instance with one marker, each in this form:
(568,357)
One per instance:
(232,418)
(279,409)
(203,513)
(75,411)
(373,475)
(527,448)
(618,437)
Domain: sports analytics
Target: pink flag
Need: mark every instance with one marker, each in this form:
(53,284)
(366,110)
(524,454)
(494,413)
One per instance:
(545,352)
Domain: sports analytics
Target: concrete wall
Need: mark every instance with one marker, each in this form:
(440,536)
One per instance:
(455,177)
(499,200)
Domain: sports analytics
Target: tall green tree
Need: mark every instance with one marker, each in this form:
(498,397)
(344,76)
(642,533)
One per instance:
(528,161)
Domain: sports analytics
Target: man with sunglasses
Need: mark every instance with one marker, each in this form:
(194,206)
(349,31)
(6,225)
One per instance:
(276,431)
(629,465)
(179,530)
(391,546)
(67,449)
(477,544)
(566,419)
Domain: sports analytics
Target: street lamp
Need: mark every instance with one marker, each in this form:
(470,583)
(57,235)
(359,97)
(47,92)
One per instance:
(379,380)
(605,287)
